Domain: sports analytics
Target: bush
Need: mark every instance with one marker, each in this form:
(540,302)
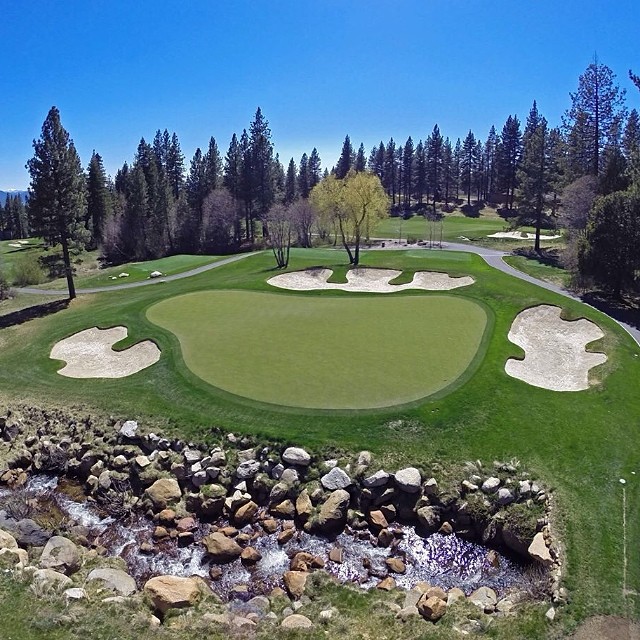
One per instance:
(5,290)
(27,272)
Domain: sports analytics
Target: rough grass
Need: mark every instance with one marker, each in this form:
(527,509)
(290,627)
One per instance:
(539,269)
(329,352)
(579,443)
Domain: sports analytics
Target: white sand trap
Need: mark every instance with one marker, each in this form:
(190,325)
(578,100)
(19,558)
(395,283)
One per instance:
(88,354)
(555,349)
(367,280)
(15,245)
(520,235)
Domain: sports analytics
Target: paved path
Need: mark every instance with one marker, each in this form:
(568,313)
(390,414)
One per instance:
(142,283)
(493,257)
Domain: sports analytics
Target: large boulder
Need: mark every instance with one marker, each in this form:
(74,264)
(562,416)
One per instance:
(333,512)
(295,582)
(484,598)
(408,480)
(429,518)
(296,456)
(336,479)
(248,469)
(296,621)
(431,608)
(304,508)
(221,549)
(7,541)
(539,551)
(171,592)
(49,580)
(164,492)
(246,513)
(62,555)
(114,580)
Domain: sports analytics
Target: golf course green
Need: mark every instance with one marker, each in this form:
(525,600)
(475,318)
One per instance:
(324,352)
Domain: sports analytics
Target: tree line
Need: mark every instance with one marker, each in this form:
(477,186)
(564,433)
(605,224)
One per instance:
(155,206)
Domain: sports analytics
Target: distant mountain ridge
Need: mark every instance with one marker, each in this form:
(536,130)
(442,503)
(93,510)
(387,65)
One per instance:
(4,194)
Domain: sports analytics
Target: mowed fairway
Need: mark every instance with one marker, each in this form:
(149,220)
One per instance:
(324,352)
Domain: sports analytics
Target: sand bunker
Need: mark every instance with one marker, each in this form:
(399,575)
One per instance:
(367,280)
(555,349)
(520,235)
(88,354)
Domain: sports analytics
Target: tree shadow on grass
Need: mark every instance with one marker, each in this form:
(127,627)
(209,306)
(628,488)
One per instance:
(31,313)
(626,310)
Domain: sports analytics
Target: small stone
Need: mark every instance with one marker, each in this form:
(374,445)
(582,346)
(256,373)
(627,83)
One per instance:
(143,462)
(129,429)
(250,556)
(75,593)
(296,456)
(270,525)
(378,479)
(408,479)
(485,598)
(285,536)
(336,555)
(377,519)
(505,496)
(469,486)
(248,469)
(296,621)
(396,565)
(387,584)
(289,477)
(454,595)
(445,529)
(490,485)
(432,608)
(550,614)
(431,487)
(295,582)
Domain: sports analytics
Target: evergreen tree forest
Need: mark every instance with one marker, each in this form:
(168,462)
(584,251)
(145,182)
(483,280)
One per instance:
(222,200)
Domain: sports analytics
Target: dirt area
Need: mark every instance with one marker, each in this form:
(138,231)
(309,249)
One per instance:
(368,280)
(555,349)
(89,354)
(607,628)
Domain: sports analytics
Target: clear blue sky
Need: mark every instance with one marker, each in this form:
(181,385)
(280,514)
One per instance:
(318,68)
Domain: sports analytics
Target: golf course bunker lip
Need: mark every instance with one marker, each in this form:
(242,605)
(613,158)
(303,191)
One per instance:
(89,354)
(555,349)
(365,280)
(326,352)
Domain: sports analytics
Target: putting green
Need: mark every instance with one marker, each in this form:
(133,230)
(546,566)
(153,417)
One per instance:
(324,352)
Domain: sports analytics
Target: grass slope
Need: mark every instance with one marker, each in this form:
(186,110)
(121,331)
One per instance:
(329,352)
(579,443)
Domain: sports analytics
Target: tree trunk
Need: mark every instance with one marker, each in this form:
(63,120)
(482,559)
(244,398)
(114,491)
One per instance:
(67,266)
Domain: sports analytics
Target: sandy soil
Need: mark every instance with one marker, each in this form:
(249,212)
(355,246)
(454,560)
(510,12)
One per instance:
(367,280)
(555,350)
(517,235)
(88,354)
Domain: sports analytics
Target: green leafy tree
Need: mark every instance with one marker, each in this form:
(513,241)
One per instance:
(610,253)
(57,191)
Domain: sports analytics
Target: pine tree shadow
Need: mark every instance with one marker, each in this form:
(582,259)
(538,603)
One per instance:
(625,309)
(31,313)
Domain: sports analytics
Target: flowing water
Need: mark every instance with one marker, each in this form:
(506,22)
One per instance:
(446,561)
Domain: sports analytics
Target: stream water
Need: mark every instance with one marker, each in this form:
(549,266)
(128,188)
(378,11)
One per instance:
(446,561)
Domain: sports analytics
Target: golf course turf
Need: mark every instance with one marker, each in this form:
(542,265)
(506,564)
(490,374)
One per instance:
(324,352)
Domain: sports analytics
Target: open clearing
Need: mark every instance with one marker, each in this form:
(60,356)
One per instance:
(324,353)
(555,349)
(367,280)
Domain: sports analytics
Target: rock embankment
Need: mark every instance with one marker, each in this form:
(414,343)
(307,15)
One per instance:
(181,485)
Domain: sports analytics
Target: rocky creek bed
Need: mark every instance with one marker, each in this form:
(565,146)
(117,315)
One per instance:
(241,520)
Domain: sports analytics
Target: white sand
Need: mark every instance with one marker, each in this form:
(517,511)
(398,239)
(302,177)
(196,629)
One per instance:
(367,280)
(555,349)
(15,245)
(88,354)
(520,235)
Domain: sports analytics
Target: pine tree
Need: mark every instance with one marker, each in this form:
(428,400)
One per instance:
(196,188)
(420,172)
(346,159)
(508,156)
(407,172)
(491,169)
(376,160)
(212,167)
(277,178)
(631,146)
(290,183)
(389,173)
(315,169)
(360,163)
(99,205)
(175,166)
(596,114)
(57,191)
(304,186)
(479,170)
(247,188)
(262,165)
(533,173)
(466,164)
(457,167)
(447,170)
(434,164)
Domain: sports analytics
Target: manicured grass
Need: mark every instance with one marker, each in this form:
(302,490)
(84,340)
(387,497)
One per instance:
(540,270)
(580,443)
(137,271)
(330,352)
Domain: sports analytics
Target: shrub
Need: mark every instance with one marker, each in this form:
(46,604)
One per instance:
(27,272)
(5,290)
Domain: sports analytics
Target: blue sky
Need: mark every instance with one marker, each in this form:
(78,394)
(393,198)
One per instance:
(318,68)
